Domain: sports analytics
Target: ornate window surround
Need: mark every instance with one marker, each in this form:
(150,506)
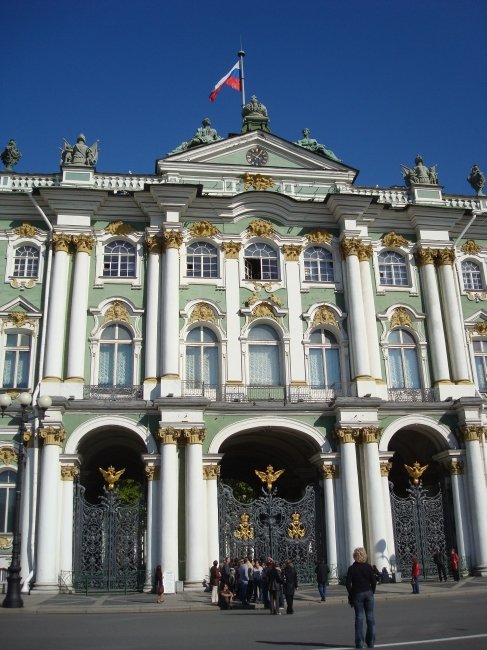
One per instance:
(406,251)
(102,239)
(15,240)
(475,326)
(480,259)
(20,317)
(272,284)
(221,344)
(332,248)
(185,280)
(284,344)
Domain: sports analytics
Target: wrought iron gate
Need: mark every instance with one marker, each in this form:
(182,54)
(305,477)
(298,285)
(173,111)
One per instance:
(272,527)
(108,544)
(420,528)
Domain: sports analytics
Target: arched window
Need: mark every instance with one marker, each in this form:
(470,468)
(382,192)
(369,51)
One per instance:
(472,277)
(393,269)
(16,361)
(7,500)
(264,356)
(324,360)
(480,356)
(116,357)
(261,262)
(26,262)
(201,357)
(403,360)
(201,261)
(318,265)
(119,260)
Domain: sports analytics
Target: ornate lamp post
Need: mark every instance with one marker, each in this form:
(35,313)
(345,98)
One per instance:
(13,598)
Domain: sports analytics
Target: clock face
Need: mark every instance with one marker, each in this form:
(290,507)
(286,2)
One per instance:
(257,156)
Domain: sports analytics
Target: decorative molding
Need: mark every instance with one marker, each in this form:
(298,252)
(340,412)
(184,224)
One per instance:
(231,249)
(385,468)
(153,244)
(5,542)
(203,229)
(19,318)
(69,472)
(470,247)
(370,435)
(120,228)
(425,256)
(21,283)
(324,316)
(456,467)
(168,436)
(52,436)
(350,247)
(292,252)
(476,296)
(152,472)
(401,316)
(263,310)
(202,312)
(319,236)
(365,252)
(445,256)
(347,434)
(172,239)
(257,182)
(330,471)
(394,240)
(7,455)
(193,436)
(261,228)
(61,242)
(211,472)
(26,230)
(481,328)
(116,312)
(471,432)
(83,243)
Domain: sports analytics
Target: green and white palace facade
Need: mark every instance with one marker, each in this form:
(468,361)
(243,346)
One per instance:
(246,306)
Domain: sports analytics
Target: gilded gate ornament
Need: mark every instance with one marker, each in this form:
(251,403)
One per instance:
(111,475)
(269,476)
(244,531)
(416,472)
(296,530)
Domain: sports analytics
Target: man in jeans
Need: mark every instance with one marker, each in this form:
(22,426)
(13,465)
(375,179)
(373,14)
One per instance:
(360,585)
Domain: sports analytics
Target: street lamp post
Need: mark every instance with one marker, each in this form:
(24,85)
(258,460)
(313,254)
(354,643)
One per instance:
(13,598)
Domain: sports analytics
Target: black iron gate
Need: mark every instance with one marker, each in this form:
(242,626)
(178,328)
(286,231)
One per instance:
(108,544)
(421,525)
(272,527)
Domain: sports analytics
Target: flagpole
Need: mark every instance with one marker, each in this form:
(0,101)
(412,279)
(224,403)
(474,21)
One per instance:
(241,55)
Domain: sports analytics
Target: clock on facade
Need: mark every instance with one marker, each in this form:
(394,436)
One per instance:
(257,156)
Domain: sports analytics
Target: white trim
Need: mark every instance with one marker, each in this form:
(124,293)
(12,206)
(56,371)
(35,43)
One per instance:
(422,424)
(104,421)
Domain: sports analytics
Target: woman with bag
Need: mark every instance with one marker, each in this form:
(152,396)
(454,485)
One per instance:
(159,584)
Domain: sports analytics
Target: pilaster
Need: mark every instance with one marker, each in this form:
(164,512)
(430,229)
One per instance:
(231,251)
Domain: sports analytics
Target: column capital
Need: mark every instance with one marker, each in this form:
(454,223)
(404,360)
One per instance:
(152,472)
(425,256)
(52,436)
(350,247)
(291,252)
(172,239)
(471,432)
(231,249)
(445,256)
(330,471)
(193,436)
(211,472)
(83,243)
(385,468)
(168,435)
(69,472)
(364,252)
(153,244)
(61,242)
(370,434)
(455,467)
(347,434)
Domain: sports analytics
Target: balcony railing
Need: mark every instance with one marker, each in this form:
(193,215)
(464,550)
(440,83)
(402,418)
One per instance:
(113,393)
(411,394)
(284,394)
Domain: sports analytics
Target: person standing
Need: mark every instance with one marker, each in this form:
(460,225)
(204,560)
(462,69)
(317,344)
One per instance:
(415,573)
(290,585)
(361,585)
(225,572)
(440,561)
(159,584)
(322,571)
(455,564)
(215,577)
(275,579)
(243,582)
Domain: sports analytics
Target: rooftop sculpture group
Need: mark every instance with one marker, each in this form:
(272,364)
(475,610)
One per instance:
(476,179)
(313,145)
(205,134)
(419,174)
(10,155)
(79,153)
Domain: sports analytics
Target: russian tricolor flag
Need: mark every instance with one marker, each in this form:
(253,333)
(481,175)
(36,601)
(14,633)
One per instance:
(231,79)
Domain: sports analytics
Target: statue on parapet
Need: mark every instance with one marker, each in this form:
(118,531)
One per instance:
(255,116)
(313,145)
(10,156)
(205,134)
(254,107)
(79,153)
(476,179)
(419,174)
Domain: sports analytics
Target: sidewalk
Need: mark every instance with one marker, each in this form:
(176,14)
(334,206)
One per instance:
(307,596)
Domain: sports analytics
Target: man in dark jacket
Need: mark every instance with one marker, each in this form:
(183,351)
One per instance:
(360,585)
(322,570)
(290,585)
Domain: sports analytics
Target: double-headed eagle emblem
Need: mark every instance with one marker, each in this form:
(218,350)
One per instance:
(416,472)
(111,475)
(269,476)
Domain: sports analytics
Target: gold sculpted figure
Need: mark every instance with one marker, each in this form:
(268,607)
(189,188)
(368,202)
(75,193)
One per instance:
(416,471)
(296,529)
(111,475)
(244,530)
(269,476)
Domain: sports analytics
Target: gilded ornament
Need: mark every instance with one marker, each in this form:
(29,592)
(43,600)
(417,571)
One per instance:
(275,300)
(193,436)
(152,472)
(481,328)
(116,312)
(83,243)
(61,242)
(168,436)
(172,239)
(425,256)
(364,252)
(370,434)
(231,249)
(153,244)
(203,229)
(471,433)
(415,472)
(296,530)
(211,472)
(252,300)
(260,228)
(7,455)
(401,316)
(269,476)
(319,236)
(244,531)
(111,475)
(263,310)
(22,283)
(470,247)
(26,230)
(347,434)
(258,182)
(385,468)
(445,256)
(324,316)
(51,436)
(393,240)
(5,542)
(477,296)
(18,318)
(350,247)
(69,472)
(456,467)
(120,228)
(329,471)
(202,312)
(292,252)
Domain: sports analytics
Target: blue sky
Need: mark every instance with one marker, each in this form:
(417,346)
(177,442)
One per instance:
(376,81)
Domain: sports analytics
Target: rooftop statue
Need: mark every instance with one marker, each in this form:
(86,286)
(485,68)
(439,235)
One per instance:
(10,155)
(205,134)
(79,153)
(254,107)
(419,174)
(255,116)
(476,179)
(313,145)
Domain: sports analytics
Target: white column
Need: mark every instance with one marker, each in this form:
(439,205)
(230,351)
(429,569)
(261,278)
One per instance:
(168,503)
(232,299)
(69,470)
(350,491)
(195,517)
(297,372)
(169,331)
(53,362)
(376,524)
(330,473)
(385,468)
(370,313)
(478,497)
(152,370)
(210,475)
(455,329)
(356,319)
(79,306)
(29,491)
(152,552)
(48,529)
(436,340)
(456,468)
